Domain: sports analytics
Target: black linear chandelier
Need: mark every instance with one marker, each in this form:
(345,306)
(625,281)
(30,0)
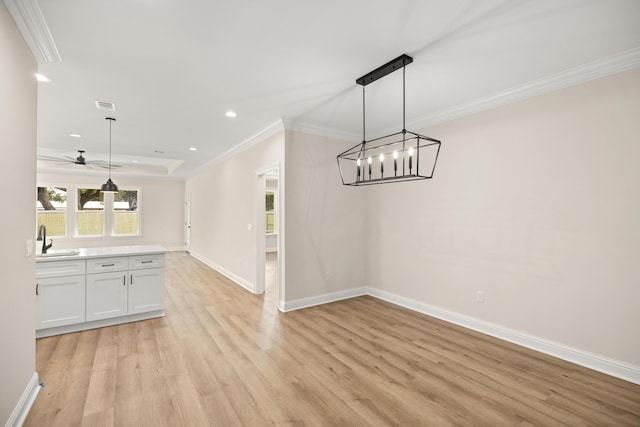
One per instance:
(405,155)
(109,186)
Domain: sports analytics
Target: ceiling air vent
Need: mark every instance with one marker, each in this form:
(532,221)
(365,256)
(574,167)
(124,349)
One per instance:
(105,105)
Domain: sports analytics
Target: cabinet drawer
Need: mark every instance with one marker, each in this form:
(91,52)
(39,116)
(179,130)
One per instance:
(60,268)
(146,261)
(103,265)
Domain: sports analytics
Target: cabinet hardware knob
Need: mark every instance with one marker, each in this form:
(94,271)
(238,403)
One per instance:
(124,280)
(37,285)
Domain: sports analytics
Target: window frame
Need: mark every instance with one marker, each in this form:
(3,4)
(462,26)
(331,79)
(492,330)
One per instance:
(66,210)
(76,235)
(138,212)
(274,211)
(71,212)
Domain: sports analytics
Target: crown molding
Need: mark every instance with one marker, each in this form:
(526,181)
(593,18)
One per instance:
(613,64)
(35,31)
(320,131)
(265,133)
(619,62)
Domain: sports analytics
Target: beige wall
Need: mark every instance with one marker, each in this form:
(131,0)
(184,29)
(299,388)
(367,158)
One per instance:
(18,95)
(162,216)
(537,205)
(325,229)
(223,201)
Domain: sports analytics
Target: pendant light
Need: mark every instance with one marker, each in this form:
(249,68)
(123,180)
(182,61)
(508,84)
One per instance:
(409,155)
(109,186)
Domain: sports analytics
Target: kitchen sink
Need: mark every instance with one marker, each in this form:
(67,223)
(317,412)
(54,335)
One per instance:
(59,252)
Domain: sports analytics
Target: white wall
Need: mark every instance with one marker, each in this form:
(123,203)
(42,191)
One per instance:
(18,95)
(537,204)
(325,230)
(162,218)
(223,202)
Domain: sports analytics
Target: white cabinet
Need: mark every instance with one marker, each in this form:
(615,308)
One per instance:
(60,293)
(100,287)
(60,301)
(146,290)
(106,295)
(124,286)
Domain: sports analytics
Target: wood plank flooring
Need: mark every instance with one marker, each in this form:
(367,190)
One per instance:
(225,357)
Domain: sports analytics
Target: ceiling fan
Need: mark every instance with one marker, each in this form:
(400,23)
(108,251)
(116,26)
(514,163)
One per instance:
(79,160)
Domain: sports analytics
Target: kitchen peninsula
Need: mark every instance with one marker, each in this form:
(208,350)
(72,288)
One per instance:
(95,287)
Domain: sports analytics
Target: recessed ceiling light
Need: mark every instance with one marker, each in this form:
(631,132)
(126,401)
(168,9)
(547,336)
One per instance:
(41,78)
(75,135)
(134,161)
(193,149)
(230,113)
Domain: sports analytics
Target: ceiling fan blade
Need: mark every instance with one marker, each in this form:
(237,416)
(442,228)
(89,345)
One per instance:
(50,158)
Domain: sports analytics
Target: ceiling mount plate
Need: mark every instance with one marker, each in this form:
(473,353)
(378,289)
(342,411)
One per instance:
(385,69)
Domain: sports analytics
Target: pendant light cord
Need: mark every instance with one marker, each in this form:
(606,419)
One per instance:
(109,149)
(111,119)
(404,126)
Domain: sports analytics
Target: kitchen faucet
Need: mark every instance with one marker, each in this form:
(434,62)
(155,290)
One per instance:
(42,235)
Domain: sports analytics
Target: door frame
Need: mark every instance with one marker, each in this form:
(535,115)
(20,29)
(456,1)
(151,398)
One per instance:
(260,229)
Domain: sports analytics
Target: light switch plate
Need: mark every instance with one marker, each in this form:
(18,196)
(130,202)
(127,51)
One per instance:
(249,227)
(28,248)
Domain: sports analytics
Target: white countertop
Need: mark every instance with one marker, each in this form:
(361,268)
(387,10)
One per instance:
(85,253)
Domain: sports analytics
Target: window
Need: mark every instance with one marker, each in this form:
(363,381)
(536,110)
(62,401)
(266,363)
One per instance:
(51,210)
(90,212)
(96,214)
(125,213)
(270,222)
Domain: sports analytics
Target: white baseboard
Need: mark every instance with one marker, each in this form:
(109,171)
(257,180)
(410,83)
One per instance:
(232,276)
(596,362)
(321,299)
(592,361)
(20,412)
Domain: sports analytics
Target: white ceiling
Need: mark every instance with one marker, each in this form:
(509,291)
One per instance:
(173,68)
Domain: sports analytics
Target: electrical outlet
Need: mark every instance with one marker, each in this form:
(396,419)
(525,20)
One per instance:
(249,227)
(28,248)
(479,296)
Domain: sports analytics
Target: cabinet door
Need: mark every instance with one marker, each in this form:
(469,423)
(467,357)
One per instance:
(106,295)
(146,290)
(60,301)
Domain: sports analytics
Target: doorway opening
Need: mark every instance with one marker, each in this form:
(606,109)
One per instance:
(268,235)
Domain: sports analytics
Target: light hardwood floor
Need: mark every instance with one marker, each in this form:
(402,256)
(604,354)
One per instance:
(225,357)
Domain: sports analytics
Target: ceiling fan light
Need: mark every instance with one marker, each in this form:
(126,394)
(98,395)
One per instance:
(109,187)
